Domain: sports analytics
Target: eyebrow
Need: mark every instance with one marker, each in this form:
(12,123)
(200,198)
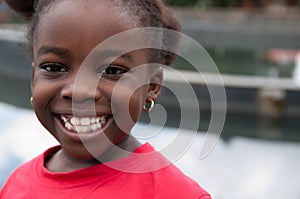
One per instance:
(63,52)
(113,53)
(53,49)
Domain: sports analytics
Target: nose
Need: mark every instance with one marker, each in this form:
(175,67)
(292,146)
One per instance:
(81,91)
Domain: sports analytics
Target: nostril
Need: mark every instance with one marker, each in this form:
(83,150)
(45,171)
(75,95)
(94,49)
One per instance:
(82,93)
(67,97)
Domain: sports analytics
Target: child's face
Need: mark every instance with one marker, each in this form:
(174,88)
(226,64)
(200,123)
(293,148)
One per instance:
(64,37)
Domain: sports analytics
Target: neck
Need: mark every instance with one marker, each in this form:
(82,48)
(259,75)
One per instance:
(61,161)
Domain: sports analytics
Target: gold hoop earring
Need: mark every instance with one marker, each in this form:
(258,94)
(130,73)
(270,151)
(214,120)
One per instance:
(147,108)
(31,101)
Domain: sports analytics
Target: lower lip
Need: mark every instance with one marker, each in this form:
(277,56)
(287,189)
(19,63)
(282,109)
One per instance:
(83,137)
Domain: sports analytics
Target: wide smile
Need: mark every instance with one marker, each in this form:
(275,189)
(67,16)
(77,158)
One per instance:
(83,125)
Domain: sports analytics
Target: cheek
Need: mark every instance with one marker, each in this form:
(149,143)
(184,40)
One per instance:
(127,107)
(42,94)
(135,106)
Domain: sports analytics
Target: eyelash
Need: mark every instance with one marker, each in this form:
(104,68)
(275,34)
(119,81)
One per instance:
(113,72)
(53,68)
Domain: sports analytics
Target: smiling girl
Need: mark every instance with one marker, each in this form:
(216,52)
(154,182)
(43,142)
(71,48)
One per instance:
(83,103)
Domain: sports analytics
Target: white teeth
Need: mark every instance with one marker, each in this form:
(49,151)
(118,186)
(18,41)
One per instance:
(83,125)
(103,120)
(85,121)
(84,129)
(94,127)
(75,121)
(98,120)
(68,126)
(63,119)
(81,129)
(77,128)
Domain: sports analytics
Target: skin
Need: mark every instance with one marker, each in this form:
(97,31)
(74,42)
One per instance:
(64,37)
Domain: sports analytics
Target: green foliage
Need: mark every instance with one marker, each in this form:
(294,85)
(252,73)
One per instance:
(182,2)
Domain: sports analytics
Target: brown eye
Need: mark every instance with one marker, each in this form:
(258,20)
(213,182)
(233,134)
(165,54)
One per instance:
(54,68)
(114,70)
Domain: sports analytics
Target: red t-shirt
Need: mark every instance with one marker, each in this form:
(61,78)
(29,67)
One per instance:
(33,181)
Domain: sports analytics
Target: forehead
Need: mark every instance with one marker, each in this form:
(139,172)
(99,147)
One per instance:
(84,8)
(83,18)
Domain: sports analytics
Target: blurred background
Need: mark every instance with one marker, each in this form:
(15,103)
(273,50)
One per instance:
(256,46)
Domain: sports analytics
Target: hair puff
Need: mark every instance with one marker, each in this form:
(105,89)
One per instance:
(23,7)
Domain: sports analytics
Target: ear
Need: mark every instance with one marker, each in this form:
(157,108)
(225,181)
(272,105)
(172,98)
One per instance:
(155,84)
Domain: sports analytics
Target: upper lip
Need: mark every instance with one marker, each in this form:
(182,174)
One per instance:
(82,113)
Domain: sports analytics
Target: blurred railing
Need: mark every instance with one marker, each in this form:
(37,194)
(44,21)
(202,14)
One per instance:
(271,96)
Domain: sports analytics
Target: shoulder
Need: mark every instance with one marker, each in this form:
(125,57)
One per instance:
(164,178)
(25,168)
(27,171)
(169,182)
(174,184)
(37,162)
(21,177)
